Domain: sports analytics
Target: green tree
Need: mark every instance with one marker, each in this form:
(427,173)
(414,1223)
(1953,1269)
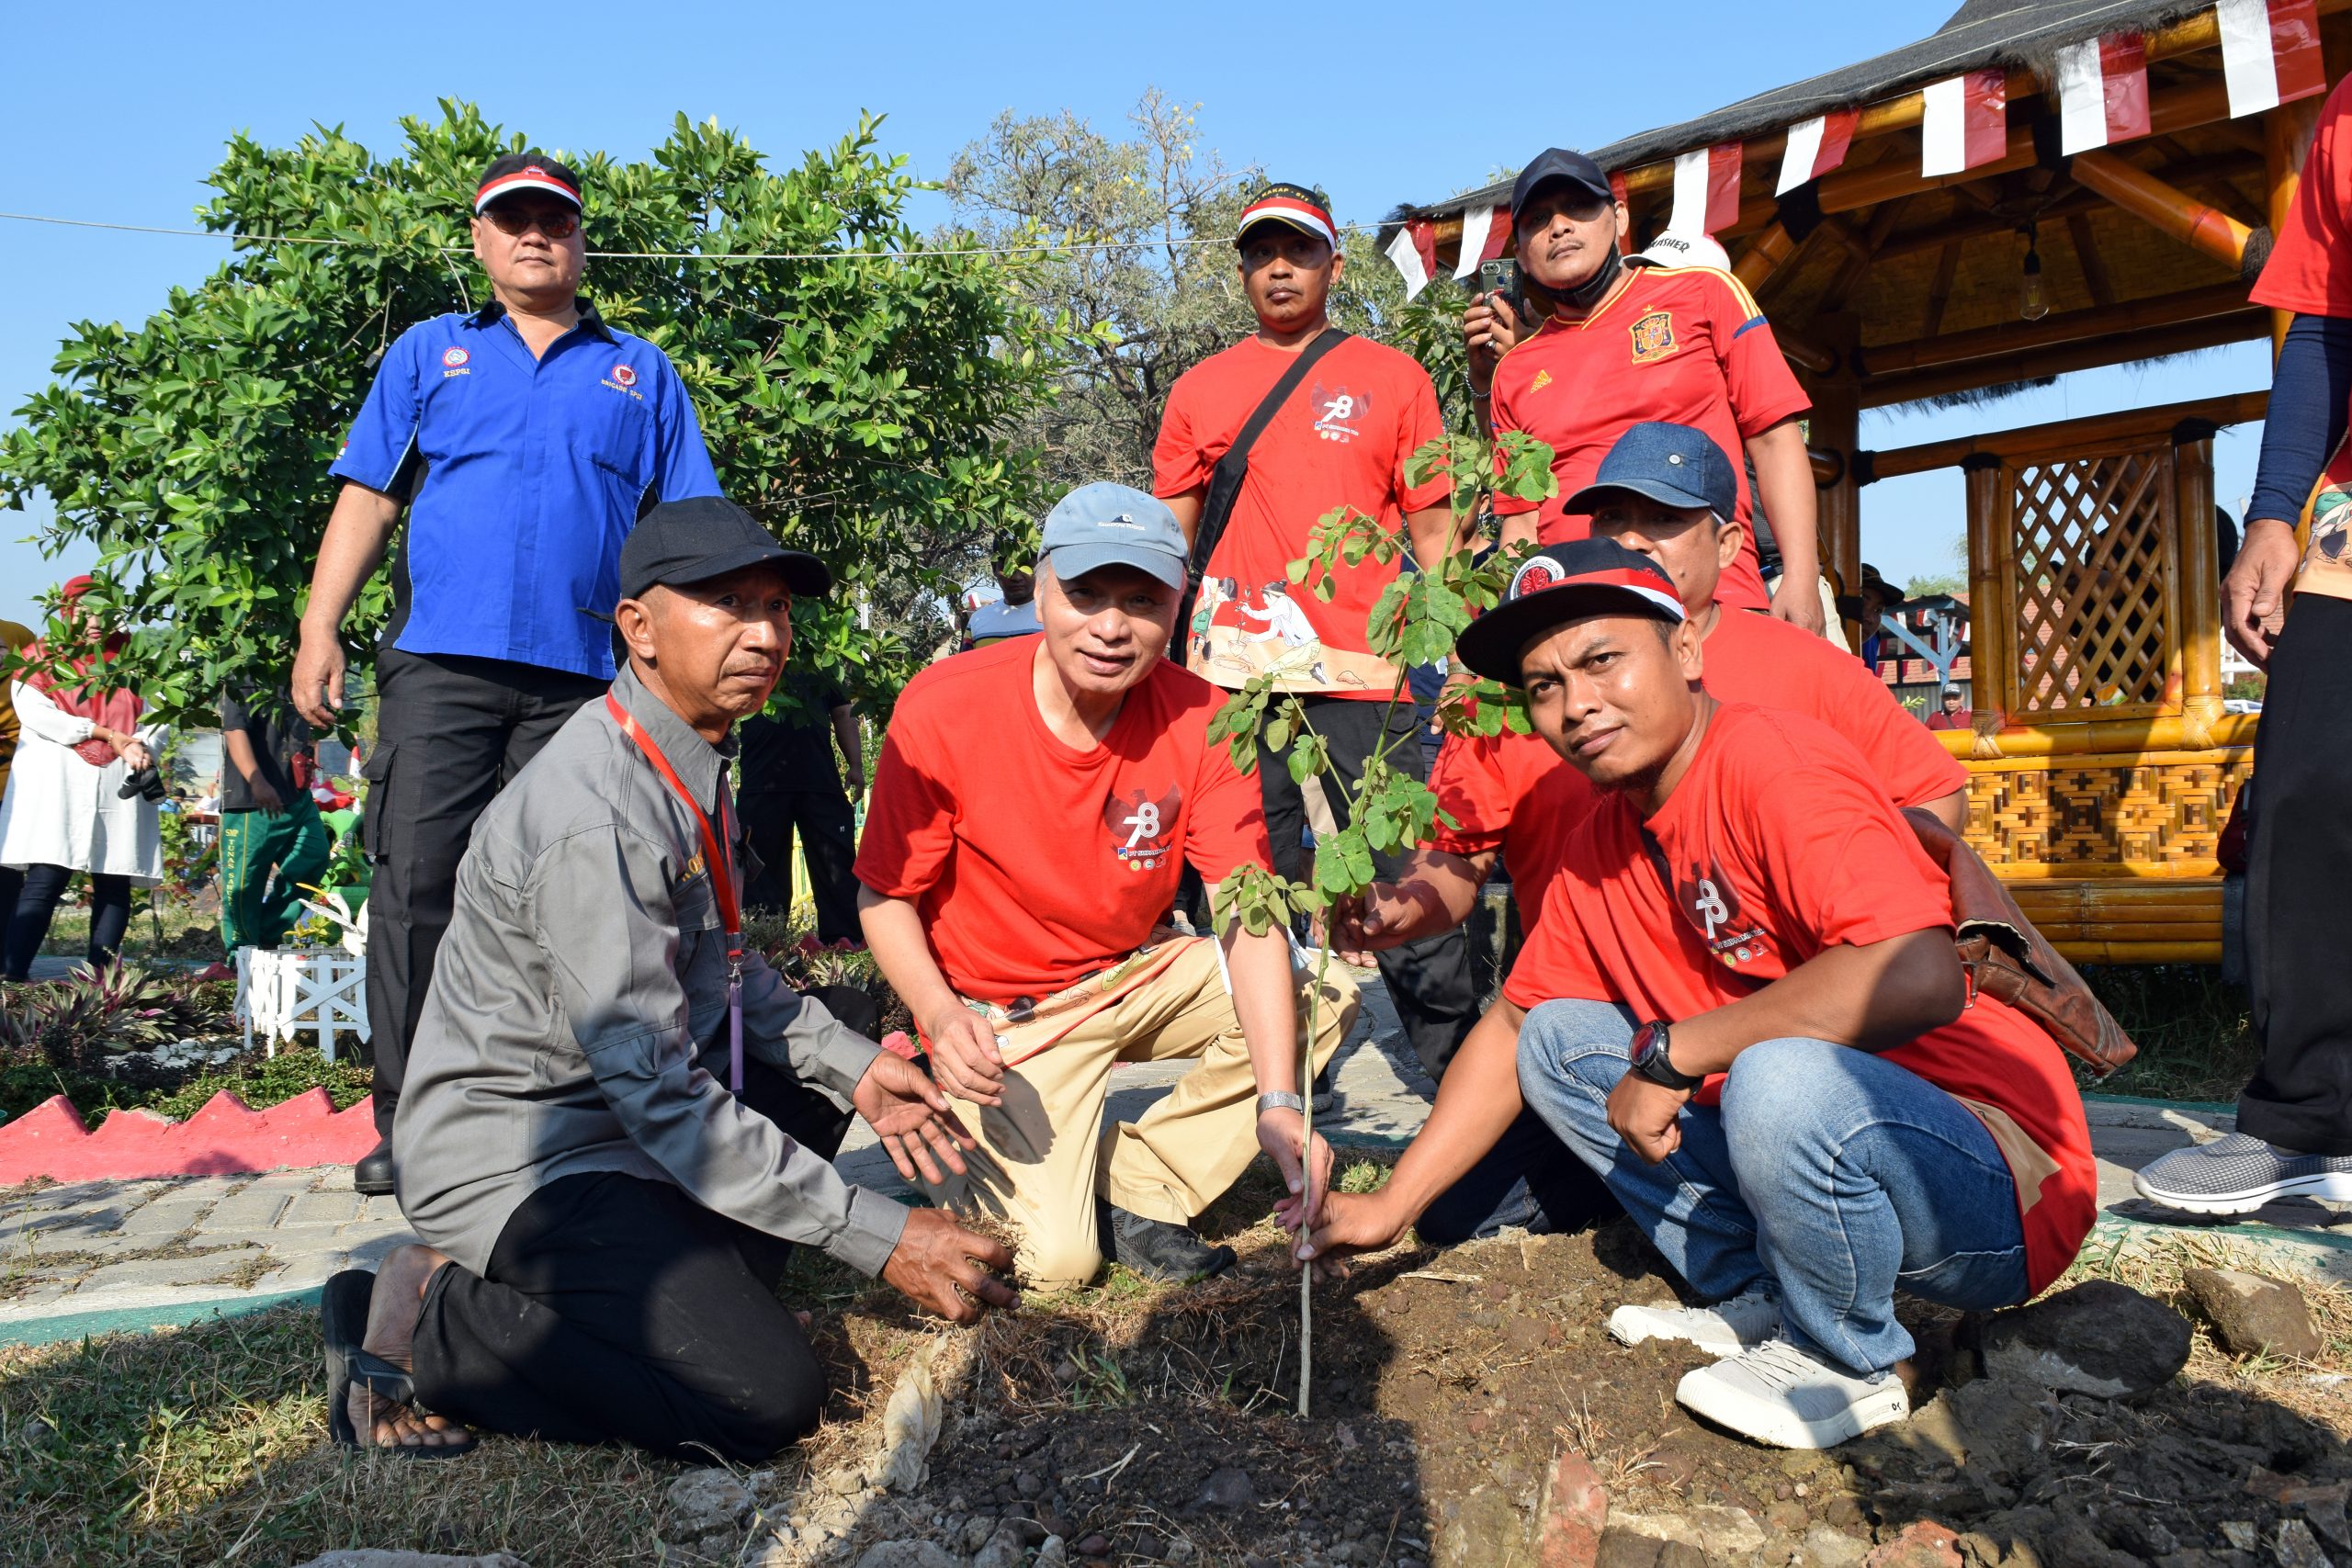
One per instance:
(868,409)
(1147,287)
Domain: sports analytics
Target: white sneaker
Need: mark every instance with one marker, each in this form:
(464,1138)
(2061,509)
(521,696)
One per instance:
(1726,1329)
(1791,1398)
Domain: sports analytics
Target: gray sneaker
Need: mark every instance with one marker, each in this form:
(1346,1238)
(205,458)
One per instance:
(2240,1173)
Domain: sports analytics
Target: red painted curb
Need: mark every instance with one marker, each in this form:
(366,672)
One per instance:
(226,1138)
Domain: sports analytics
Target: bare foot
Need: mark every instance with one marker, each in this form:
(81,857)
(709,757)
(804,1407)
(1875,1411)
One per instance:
(401,1282)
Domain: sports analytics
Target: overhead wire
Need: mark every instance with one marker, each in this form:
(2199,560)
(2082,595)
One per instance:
(925,255)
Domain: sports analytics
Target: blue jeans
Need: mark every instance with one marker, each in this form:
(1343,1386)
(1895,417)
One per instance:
(1836,1175)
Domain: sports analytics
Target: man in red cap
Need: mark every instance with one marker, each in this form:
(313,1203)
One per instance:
(1336,417)
(524,440)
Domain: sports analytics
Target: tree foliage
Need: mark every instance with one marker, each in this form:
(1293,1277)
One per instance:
(872,410)
(1151,287)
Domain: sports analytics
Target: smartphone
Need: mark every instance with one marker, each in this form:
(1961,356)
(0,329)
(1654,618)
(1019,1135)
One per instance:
(1501,275)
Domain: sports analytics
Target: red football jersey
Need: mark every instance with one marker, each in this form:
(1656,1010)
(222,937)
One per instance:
(1684,344)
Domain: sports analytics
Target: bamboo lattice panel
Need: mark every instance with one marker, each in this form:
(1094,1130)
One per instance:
(2094,617)
(2165,814)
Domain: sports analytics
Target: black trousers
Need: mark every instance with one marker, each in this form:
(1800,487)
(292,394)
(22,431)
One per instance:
(616,1308)
(1430,980)
(449,732)
(828,833)
(2299,863)
(41,890)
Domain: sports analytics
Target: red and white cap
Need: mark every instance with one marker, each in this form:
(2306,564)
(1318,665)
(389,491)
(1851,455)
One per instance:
(1308,212)
(525,171)
(1561,583)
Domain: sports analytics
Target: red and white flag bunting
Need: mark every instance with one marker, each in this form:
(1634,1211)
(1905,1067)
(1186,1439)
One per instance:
(1816,147)
(1706,190)
(1965,123)
(1414,252)
(2270,52)
(1486,234)
(2102,91)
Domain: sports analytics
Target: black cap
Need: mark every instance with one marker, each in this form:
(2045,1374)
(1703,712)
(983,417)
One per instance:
(525,171)
(681,542)
(1558,163)
(1560,584)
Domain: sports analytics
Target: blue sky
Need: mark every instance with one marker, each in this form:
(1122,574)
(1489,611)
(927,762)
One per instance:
(118,112)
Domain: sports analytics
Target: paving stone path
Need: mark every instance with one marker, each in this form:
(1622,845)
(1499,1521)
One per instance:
(74,1257)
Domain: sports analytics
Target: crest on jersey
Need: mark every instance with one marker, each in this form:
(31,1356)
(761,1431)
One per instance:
(624,374)
(1143,829)
(1533,577)
(1653,336)
(453,358)
(1710,904)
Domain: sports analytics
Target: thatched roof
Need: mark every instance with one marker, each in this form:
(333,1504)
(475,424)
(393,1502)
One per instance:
(1981,33)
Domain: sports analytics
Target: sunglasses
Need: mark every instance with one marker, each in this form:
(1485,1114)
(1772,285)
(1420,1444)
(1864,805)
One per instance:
(555,225)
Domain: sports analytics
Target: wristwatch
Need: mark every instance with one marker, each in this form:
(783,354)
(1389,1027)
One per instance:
(1279,1100)
(1650,1059)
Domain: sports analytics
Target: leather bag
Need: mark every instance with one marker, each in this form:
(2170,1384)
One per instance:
(2007,959)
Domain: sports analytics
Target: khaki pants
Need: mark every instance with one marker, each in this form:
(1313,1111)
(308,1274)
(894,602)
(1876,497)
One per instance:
(1041,1163)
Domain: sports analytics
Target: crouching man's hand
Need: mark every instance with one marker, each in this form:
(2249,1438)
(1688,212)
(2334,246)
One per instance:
(1647,1116)
(907,1113)
(1283,1134)
(941,1266)
(1352,1223)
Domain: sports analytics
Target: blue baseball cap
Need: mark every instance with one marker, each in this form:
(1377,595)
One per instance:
(1558,164)
(1115,525)
(1672,464)
(1560,584)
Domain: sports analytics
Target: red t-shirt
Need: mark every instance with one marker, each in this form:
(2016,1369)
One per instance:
(1514,792)
(1681,344)
(1034,864)
(2309,269)
(1781,844)
(1341,439)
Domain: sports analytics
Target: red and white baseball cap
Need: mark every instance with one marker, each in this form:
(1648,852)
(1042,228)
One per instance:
(1295,207)
(1561,583)
(525,171)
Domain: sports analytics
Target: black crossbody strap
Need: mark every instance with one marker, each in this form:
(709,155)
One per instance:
(1233,470)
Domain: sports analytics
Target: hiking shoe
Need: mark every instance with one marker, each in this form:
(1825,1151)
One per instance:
(1160,1250)
(1726,1329)
(2238,1174)
(1791,1398)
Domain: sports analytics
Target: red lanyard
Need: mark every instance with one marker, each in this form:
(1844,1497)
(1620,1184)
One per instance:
(720,859)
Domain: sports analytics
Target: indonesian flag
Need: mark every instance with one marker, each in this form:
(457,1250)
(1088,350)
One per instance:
(1414,252)
(1966,122)
(1706,190)
(1483,238)
(2270,52)
(1816,147)
(2102,91)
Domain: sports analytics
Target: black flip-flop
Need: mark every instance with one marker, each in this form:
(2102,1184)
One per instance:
(342,1318)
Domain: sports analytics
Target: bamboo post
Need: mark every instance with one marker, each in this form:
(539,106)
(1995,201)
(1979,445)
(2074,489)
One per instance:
(1834,425)
(1991,597)
(2198,225)
(1764,255)
(2198,575)
(2285,138)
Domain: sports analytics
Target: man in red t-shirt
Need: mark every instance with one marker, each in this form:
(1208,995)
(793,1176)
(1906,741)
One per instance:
(1034,805)
(1340,439)
(1619,344)
(2294,1124)
(1742,1009)
(1665,491)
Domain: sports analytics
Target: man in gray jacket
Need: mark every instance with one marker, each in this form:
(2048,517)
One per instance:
(616,1121)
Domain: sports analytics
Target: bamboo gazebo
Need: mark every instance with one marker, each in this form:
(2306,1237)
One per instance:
(2103,766)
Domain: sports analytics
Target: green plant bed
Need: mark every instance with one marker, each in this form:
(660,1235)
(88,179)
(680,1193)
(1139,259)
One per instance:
(2195,1033)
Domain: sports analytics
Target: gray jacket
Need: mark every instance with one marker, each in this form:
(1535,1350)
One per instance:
(578,1016)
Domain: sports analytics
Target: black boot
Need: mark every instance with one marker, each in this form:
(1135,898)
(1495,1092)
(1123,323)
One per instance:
(373,1174)
(1158,1250)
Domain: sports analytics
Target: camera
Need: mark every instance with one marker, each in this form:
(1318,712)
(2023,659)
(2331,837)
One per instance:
(147,783)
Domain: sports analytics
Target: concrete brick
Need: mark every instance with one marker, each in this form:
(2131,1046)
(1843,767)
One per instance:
(308,1241)
(260,1204)
(28,1229)
(336,1178)
(147,1272)
(381,1210)
(168,1216)
(303,1273)
(322,1208)
(369,1250)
